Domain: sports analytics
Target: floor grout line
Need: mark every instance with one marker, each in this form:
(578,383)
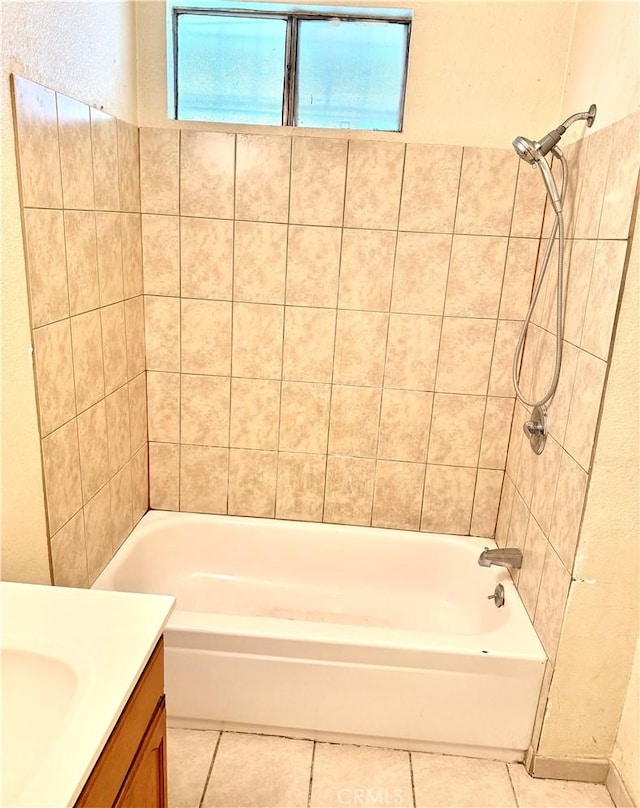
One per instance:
(213,760)
(313,757)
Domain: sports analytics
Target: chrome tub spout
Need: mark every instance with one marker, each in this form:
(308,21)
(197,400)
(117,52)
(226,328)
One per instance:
(502,557)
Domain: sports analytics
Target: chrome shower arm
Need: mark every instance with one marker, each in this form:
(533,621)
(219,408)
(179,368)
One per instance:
(588,116)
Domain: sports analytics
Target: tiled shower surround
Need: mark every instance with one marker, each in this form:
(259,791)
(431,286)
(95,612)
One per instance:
(330,325)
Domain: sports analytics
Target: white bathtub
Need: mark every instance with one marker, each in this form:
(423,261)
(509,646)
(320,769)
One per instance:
(337,633)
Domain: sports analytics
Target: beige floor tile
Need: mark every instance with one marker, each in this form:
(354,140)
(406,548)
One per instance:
(360,775)
(189,754)
(536,793)
(443,781)
(260,771)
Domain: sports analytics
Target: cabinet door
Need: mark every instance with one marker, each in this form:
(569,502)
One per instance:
(146,784)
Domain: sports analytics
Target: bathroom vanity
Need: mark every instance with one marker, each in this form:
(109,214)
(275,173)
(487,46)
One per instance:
(83,715)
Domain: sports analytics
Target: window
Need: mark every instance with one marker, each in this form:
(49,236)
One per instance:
(316,66)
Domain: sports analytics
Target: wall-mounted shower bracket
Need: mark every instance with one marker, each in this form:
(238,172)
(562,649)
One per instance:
(537,429)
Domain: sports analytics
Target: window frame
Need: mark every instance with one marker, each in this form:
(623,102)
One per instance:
(292,18)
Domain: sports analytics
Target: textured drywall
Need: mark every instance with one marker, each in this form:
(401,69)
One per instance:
(87,50)
(626,752)
(479,73)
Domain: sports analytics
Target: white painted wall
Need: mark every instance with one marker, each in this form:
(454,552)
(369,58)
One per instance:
(479,73)
(87,50)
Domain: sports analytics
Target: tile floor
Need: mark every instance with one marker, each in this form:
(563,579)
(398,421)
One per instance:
(238,770)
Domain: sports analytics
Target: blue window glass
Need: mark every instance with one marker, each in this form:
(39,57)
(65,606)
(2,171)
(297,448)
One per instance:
(351,74)
(230,69)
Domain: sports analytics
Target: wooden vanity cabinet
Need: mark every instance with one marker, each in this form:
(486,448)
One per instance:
(131,772)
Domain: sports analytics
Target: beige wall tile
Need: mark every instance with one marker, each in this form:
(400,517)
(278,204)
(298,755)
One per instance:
(343,773)
(206,258)
(204,410)
(318,175)
(259,262)
(404,425)
(94,450)
(162,332)
(82,260)
(257,340)
(114,346)
(139,484)
(313,264)
(203,479)
(98,526)
(567,509)
(397,500)
(374,179)
(304,417)
(163,405)
(603,297)
(580,255)
(349,490)
(104,148)
(594,178)
(206,174)
(74,132)
(69,554)
(134,320)
(621,179)
(121,506)
(526,476)
(109,245)
(300,492)
(412,351)
(445,781)
(355,412)
(255,409)
(366,269)
(164,476)
(547,467)
(54,375)
(504,511)
(420,273)
(495,433)
(466,349)
(138,411)
(88,368)
(159,170)
(129,167)
(528,208)
(486,501)
(206,337)
(361,338)
(554,588)
(61,465)
(430,188)
(475,276)
(131,227)
(584,408)
(448,499)
(161,254)
(533,553)
(38,149)
(309,336)
(263,164)
(518,278)
(487,187)
(456,429)
(558,407)
(118,429)
(517,533)
(520,415)
(46,266)
(252,482)
(500,382)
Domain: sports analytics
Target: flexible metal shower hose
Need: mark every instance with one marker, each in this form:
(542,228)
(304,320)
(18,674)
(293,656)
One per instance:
(558,228)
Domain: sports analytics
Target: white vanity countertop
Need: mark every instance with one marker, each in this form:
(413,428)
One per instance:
(70,660)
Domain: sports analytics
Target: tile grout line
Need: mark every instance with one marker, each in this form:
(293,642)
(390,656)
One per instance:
(313,757)
(208,778)
(232,302)
(413,784)
(513,788)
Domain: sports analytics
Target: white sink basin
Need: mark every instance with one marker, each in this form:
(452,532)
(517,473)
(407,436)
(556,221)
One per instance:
(38,691)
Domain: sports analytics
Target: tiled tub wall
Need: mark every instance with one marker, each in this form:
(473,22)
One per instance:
(330,325)
(79,181)
(543,496)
